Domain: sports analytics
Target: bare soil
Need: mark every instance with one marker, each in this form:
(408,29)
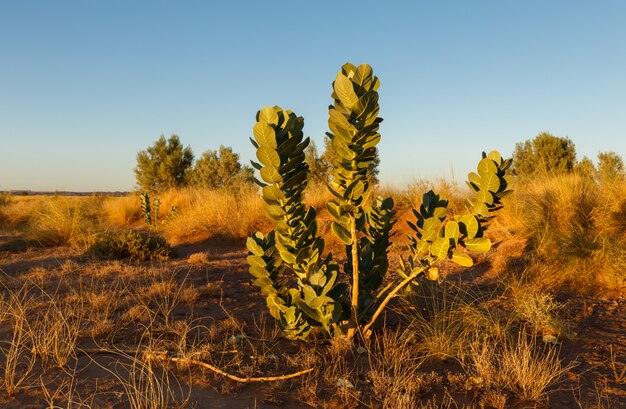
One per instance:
(242,339)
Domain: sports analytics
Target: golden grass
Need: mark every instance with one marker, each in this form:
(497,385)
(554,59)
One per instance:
(577,229)
(122,211)
(214,213)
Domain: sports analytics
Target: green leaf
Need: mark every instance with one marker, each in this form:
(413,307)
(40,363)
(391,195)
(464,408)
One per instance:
(462,259)
(272,193)
(440,248)
(342,233)
(269,115)
(363,75)
(254,247)
(265,135)
(268,156)
(258,272)
(480,208)
(471,225)
(474,178)
(490,182)
(486,167)
(479,245)
(452,230)
(270,174)
(484,196)
(345,91)
(495,156)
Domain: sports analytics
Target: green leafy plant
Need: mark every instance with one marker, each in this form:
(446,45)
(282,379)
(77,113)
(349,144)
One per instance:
(131,244)
(150,211)
(164,165)
(317,299)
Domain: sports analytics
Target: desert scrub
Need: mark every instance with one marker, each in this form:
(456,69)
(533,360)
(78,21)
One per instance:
(132,244)
(575,228)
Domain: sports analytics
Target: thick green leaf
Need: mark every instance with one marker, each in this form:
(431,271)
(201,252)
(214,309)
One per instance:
(484,196)
(440,248)
(254,247)
(272,193)
(471,225)
(268,156)
(452,230)
(462,259)
(345,91)
(265,135)
(269,115)
(479,245)
(342,233)
(486,167)
(490,182)
(270,174)
(495,156)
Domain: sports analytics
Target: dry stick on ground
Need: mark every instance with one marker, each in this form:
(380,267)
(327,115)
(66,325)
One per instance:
(162,356)
(237,378)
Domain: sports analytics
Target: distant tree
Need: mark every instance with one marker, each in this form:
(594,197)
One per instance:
(329,155)
(318,168)
(164,165)
(585,168)
(545,154)
(220,169)
(610,166)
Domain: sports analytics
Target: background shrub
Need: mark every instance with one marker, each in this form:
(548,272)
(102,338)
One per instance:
(132,244)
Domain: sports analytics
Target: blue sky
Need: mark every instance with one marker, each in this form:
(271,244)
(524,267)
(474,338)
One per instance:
(85,85)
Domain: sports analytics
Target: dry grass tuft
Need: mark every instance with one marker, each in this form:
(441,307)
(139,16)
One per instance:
(215,213)
(575,226)
(394,371)
(58,223)
(122,211)
(198,258)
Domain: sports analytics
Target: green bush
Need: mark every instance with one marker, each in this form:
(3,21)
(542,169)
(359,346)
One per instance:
(132,244)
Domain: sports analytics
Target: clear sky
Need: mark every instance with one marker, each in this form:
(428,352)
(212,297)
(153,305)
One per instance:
(85,85)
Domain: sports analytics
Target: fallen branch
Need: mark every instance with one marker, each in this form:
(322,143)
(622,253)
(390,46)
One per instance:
(235,377)
(162,356)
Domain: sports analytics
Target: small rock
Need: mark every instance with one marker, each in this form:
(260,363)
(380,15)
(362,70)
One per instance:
(344,383)
(233,339)
(550,339)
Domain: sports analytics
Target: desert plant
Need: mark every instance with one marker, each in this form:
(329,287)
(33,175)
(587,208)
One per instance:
(610,166)
(545,154)
(164,165)
(136,245)
(220,170)
(362,223)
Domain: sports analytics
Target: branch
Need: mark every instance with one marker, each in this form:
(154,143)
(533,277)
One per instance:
(388,298)
(237,378)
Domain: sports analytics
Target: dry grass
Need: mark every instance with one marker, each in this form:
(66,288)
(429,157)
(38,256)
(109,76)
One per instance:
(55,332)
(198,258)
(122,211)
(438,321)
(576,228)
(394,370)
(540,311)
(59,223)
(19,359)
(211,213)
(519,365)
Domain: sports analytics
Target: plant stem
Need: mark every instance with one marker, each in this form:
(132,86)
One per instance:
(354,318)
(389,297)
